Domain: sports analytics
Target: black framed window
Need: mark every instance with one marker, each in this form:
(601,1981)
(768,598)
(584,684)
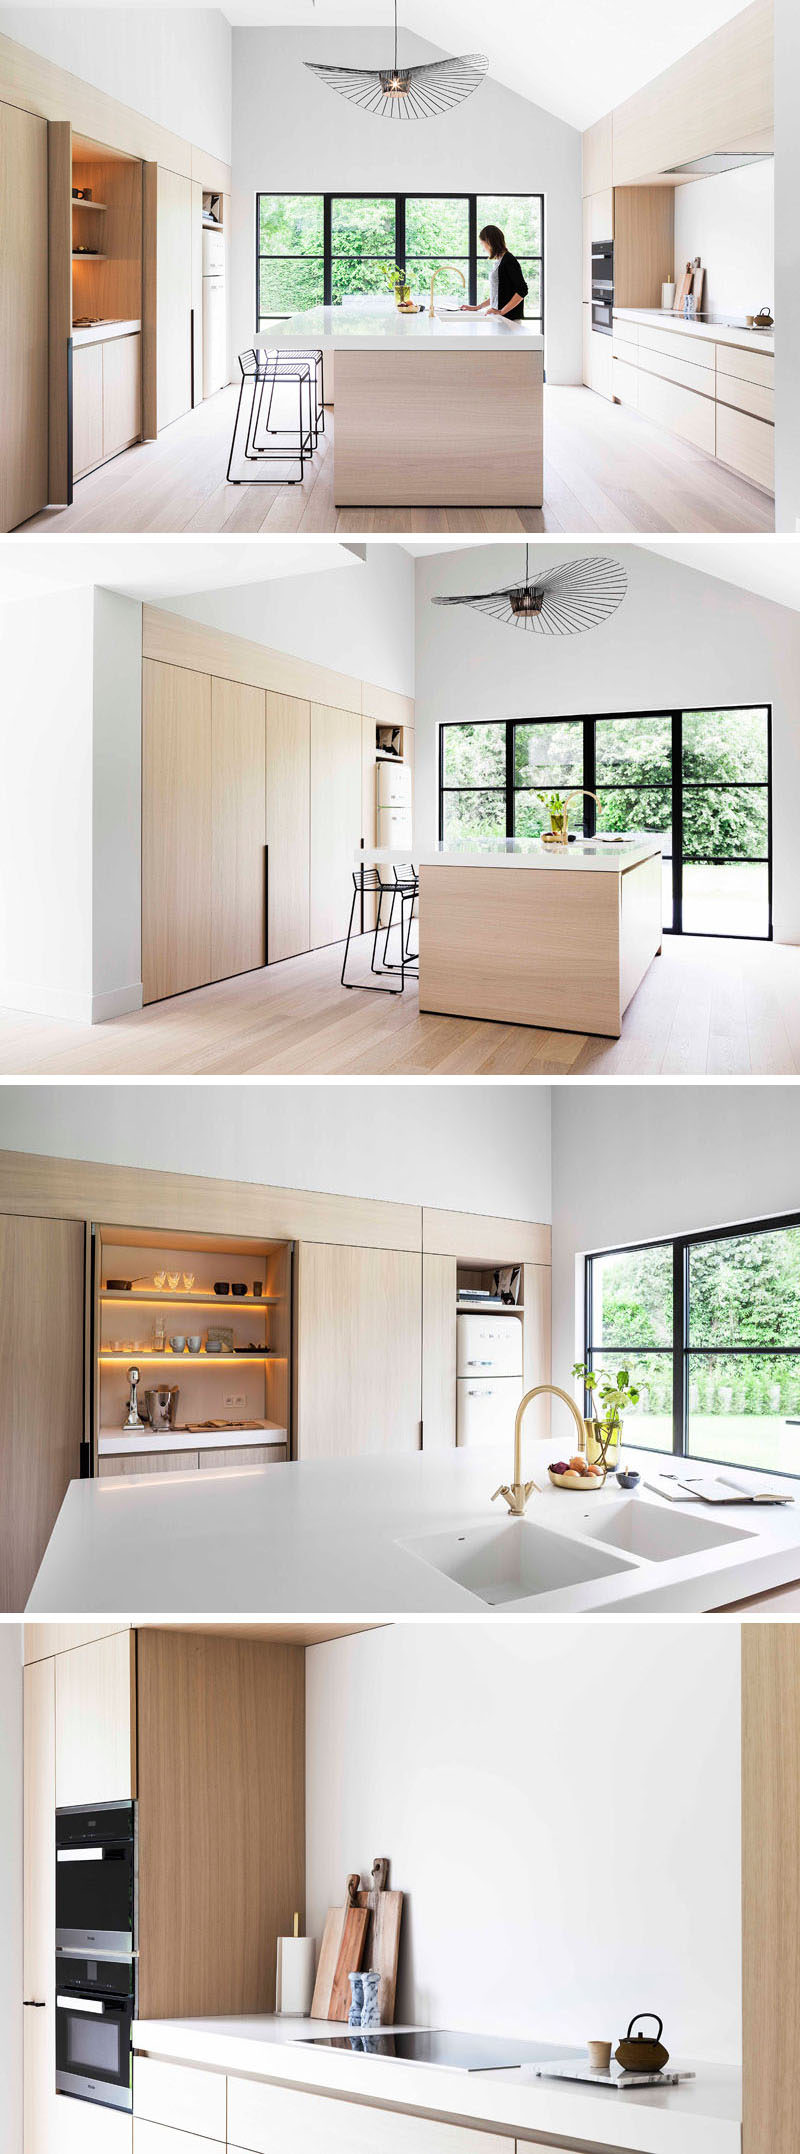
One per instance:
(315,249)
(709,1327)
(700,780)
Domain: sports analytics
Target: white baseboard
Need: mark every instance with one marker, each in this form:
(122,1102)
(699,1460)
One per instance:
(69,1005)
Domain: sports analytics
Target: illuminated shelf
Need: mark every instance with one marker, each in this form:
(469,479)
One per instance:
(88,256)
(152,1298)
(80,202)
(128,1353)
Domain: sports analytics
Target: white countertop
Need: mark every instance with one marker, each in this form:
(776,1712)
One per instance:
(760,340)
(101,332)
(111,1443)
(702,2116)
(382,328)
(584,853)
(331,1536)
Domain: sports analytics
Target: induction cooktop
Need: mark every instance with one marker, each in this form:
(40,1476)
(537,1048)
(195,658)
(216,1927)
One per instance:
(440,2046)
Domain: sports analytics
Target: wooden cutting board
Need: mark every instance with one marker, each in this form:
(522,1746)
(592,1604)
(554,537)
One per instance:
(384,1911)
(341,1954)
(683,290)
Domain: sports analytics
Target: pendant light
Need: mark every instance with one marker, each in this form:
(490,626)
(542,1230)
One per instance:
(561,602)
(406,93)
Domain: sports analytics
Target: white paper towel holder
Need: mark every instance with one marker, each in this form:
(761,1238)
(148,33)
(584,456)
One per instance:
(295,1974)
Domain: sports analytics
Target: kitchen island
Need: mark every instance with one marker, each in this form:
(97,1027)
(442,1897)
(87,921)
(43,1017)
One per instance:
(444,413)
(415,1534)
(277,2087)
(536,934)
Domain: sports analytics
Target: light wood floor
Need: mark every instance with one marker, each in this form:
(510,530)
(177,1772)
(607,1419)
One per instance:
(605,470)
(715,1008)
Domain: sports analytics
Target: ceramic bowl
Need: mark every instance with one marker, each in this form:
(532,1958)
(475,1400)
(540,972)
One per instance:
(222,1286)
(238,1287)
(626,1478)
(178,1343)
(582,1481)
(194,1344)
(213,1346)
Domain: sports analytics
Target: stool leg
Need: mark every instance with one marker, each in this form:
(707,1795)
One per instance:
(235,482)
(344,982)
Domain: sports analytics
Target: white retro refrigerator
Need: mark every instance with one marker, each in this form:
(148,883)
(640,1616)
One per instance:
(395,818)
(489,1377)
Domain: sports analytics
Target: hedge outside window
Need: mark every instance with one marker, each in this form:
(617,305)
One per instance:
(323,249)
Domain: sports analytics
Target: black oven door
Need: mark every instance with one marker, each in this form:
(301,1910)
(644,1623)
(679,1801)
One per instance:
(94,2011)
(95,1879)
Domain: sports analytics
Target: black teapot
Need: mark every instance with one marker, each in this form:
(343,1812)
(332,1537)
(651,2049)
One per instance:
(637,2053)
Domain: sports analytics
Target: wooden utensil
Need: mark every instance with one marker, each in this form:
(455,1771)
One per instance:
(384,1912)
(341,1953)
(698,283)
(683,290)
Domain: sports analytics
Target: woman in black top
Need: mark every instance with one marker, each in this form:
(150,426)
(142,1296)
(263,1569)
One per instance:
(507,287)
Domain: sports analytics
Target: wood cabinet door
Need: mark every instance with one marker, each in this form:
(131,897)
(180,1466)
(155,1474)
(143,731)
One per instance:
(176,829)
(96,1721)
(38,2078)
(439,1304)
(335,819)
(536,1352)
(173,295)
(238,828)
(197,293)
(771,1886)
(359,1351)
(122,393)
(87,408)
(23,316)
(288,824)
(41,1394)
(38,1833)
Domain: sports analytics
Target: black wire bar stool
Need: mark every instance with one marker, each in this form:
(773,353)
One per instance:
(406,888)
(259,370)
(369,882)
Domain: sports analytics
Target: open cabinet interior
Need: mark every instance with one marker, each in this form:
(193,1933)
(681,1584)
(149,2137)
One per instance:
(106,233)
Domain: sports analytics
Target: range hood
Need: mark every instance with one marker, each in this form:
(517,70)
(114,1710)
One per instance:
(718,161)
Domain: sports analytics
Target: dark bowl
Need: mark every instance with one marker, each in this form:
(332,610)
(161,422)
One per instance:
(222,1286)
(238,1287)
(628,1480)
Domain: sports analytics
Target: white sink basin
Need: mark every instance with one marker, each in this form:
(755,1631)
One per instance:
(513,1561)
(643,1529)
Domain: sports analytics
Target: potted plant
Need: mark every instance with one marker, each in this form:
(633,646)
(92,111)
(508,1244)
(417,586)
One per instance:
(397,282)
(558,813)
(604,1430)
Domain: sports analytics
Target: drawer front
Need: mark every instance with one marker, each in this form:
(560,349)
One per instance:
(87,408)
(678,409)
(697,350)
(161,2139)
(748,445)
(147,1462)
(625,332)
(746,365)
(279,2120)
(699,378)
(746,396)
(183,2095)
(249,1454)
(625,383)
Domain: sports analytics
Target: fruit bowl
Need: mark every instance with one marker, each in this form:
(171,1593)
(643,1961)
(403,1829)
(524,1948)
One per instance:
(572,1477)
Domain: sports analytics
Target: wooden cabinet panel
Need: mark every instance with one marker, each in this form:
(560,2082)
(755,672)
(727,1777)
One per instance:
(335,819)
(674,344)
(23,316)
(644,244)
(181,2095)
(747,444)
(749,365)
(682,410)
(176,829)
(701,379)
(587,344)
(161,2139)
(746,396)
(601,215)
(41,1395)
(173,295)
(288,824)
(39,1838)
(439,1291)
(597,155)
(359,1351)
(262,2117)
(83,2128)
(586,248)
(625,383)
(477,1239)
(43,1640)
(116,1468)
(719,95)
(250,1454)
(197,292)
(87,408)
(96,1721)
(122,393)
(600,361)
(625,332)
(536,1350)
(38,2091)
(770,1886)
(238,828)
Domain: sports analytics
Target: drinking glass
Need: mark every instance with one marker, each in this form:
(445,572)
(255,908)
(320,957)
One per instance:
(173,1281)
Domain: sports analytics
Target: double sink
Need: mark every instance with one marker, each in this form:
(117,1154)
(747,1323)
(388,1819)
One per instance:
(518,1560)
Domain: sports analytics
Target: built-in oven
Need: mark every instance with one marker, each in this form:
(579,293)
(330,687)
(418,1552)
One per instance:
(96,1879)
(95,2005)
(603,286)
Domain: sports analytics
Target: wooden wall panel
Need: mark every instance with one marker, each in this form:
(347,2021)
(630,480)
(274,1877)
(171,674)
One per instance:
(59,287)
(174,296)
(238,829)
(177,641)
(221,1819)
(770,1887)
(23,317)
(41,1392)
(359,1352)
(149,302)
(597,154)
(288,824)
(335,819)
(176,830)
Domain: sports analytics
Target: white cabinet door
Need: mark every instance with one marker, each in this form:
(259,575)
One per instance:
(265,2119)
(181,2095)
(39,1869)
(96,1722)
(173,296)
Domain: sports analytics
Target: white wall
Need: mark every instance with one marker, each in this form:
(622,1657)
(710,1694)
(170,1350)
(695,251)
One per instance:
(172,64)
(11,1885)
(632,1162)
(729,221)
(290,132)
(787,281)
(46,760)
(116,806)
(569,1856)
(465,1147)
(357,620)
(679,638)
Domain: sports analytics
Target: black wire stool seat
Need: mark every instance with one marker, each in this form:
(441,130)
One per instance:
(261,370)
(405,887)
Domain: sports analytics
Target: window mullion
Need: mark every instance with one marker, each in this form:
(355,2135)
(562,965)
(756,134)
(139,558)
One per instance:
(511,805)
(590,775)
(680,1320)
(327,250)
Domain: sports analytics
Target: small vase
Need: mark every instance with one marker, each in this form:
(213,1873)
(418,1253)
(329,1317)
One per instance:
(371,2011)
(602,1445)
(356,1982)
(558,826)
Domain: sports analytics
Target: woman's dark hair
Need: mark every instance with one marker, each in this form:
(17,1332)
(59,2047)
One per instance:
(495,239)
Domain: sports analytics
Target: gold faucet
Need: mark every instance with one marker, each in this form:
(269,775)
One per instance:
(454,272)
(572,795)
(517,1494)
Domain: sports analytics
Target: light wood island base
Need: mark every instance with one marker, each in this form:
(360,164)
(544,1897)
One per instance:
(531,947)
(442,429)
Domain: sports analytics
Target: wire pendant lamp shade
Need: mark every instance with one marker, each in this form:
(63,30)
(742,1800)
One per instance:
(561,602)
(406,93)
